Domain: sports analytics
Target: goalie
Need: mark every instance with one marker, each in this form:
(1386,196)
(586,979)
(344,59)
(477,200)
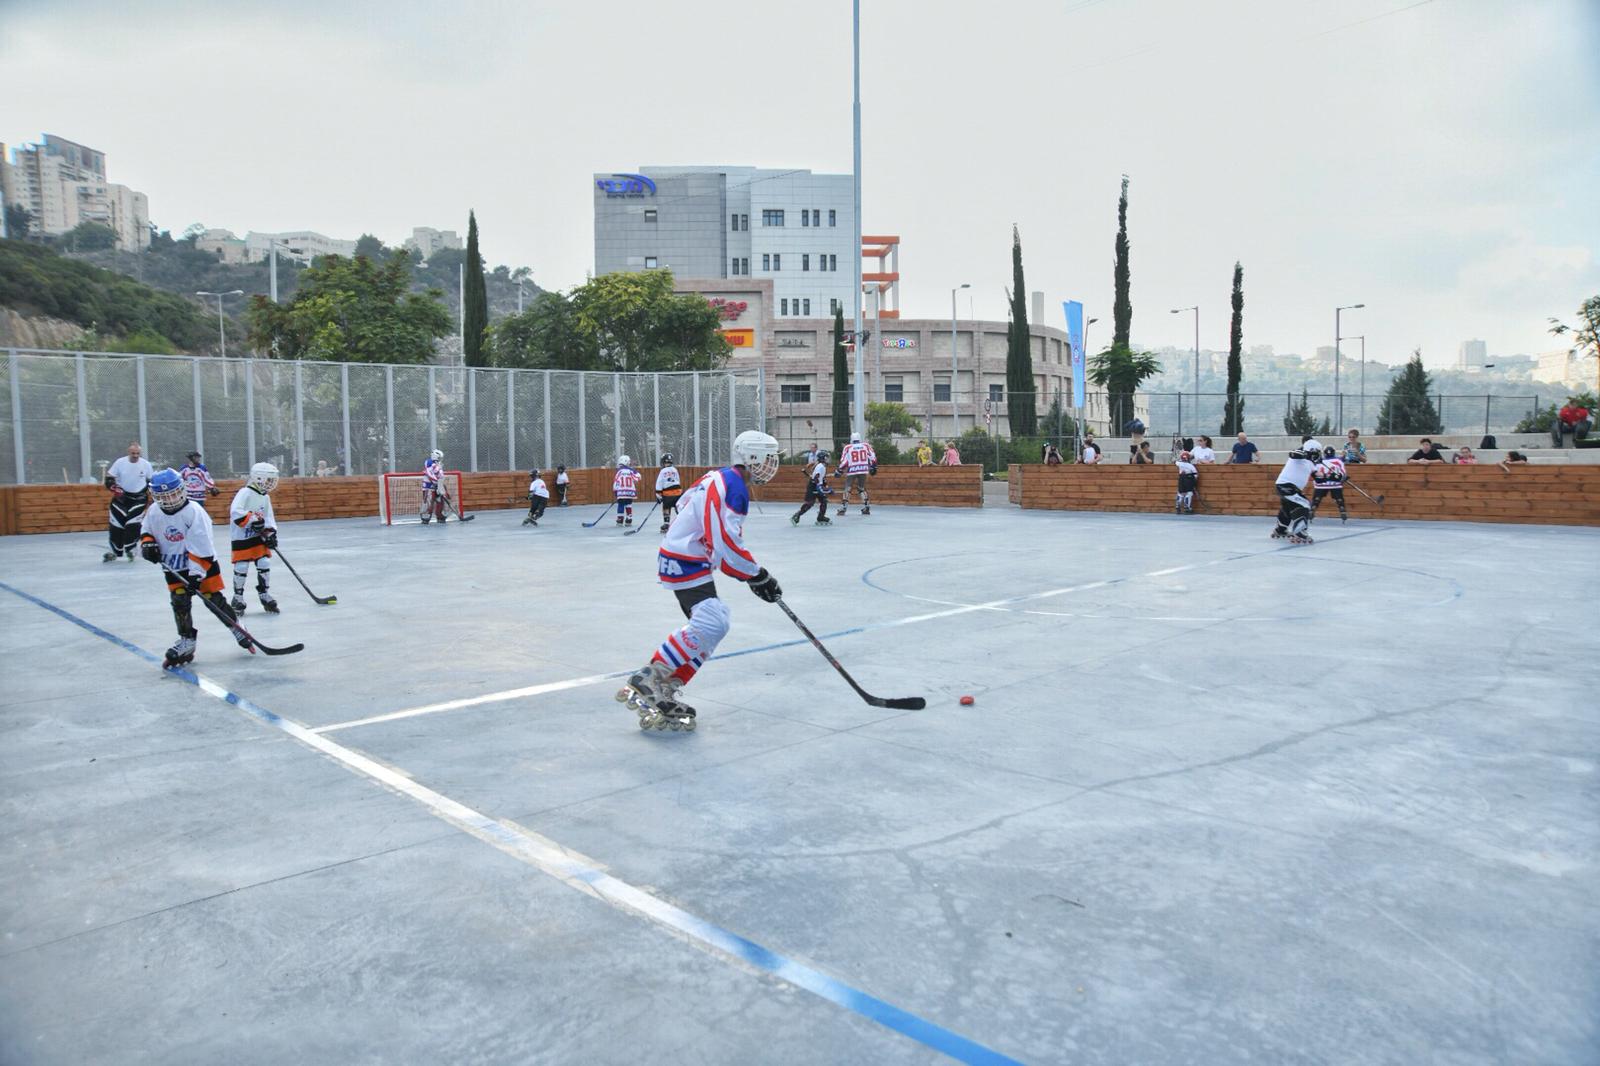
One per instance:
(433,494)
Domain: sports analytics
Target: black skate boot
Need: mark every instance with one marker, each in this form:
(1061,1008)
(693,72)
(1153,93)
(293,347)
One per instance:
(628,521)
(1280,533)
(180,653)
(110,557)
(237,604)
(619,520)
(651,691)
(528,521)
(841,511)
(866,509)
(824,520)
(794,519)
(665,526)
(268,604)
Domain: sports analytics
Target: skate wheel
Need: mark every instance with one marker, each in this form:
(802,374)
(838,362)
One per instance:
(624,695)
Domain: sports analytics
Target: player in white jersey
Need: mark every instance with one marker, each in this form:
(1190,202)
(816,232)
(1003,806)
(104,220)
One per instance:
(669,488)
(197,479)
(816,491)
(538,499)
(176,534)
(705,537)
(255,534)
(128,480)
(1188,481)
(1294,510)
(856,462)
(432,492)
(1328,480)
(625,488)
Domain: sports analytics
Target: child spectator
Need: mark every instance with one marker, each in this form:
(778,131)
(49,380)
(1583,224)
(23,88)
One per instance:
(924,454)
(1092,452)
(1427,454)
(1464,456)
(562,481)
(1188,481)
(951,456)
(1512,457)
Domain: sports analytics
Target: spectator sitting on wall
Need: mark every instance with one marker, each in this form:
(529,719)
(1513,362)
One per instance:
(1512,457)
(1052,455)
(1142,455)
(1464,456)
(1092,452)
(1354,450)
(1428,453)
(1577,420)
(1203,452)
(1244,451)
(924,454)
(951,456)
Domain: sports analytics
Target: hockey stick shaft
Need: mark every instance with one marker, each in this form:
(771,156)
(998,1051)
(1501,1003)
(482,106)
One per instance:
(1378,499)
(318,599)
(452,504)
(597,521)
(231,621)
(642,521)
(911,703)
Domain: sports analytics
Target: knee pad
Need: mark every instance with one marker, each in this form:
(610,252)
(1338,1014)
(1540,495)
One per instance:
(709,621)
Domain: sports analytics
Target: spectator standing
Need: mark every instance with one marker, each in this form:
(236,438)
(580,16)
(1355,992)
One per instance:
(1203,452)
(1142,455)
(1426,454)
(1092,452)
(1354,450)
(924,454)
(323,469)
(128,481)
(1244,451)
(951,456)
(1052,455)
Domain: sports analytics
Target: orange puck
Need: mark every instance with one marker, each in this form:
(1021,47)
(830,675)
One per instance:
(967,701)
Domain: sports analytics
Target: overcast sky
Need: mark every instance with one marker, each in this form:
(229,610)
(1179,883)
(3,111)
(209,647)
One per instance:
(1438,161)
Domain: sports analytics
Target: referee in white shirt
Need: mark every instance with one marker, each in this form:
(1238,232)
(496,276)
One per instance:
(128,480)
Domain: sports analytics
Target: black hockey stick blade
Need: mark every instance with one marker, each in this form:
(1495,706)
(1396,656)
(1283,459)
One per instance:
(248,641)
(642,521)
(597,521)
(903,703)
(1378,499)
(324,600)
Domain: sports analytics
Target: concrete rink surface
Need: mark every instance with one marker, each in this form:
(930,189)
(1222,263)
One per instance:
(1218,800)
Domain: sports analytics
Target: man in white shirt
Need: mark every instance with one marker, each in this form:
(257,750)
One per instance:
(128,481)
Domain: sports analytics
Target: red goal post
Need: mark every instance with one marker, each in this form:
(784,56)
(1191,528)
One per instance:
(400,496)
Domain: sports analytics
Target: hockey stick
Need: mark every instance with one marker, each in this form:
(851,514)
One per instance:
(597,521)
(1378,499)
(452,504)
(642,521)
(227,618)
(318,599)
(905,703)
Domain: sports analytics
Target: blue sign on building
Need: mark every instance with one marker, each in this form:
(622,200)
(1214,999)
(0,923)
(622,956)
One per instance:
(626,185)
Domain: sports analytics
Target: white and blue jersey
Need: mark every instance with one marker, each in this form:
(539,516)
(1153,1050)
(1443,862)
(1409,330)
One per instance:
(708,533)
(432,474)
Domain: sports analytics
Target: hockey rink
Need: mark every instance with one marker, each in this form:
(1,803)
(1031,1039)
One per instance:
(1218,800)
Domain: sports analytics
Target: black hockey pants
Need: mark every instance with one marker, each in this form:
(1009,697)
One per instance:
(127,513)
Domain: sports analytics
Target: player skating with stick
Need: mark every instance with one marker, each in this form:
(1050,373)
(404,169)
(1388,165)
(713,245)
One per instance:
(816,492)
(538,499)
(856,463)
(669,487)
(432,479)
(255,534)
(1328,480)
(625,489)
(706,536)
(1294,510)
(175,534)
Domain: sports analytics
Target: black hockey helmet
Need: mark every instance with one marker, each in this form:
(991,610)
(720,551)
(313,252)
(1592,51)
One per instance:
(1328,453)
(193,455)
(666,460)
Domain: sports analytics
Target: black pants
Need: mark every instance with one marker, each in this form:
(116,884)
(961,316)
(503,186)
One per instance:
(561,495)
(1294,511)
(687,598)
(1337,494)
(669,506)
(817,497)
(127,513)
(536,506)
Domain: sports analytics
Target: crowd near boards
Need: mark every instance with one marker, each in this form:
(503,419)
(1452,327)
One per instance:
(161,517)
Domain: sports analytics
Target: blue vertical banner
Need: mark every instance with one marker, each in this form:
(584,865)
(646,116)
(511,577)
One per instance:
(1074,311)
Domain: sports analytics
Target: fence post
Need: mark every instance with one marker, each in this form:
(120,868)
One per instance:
(655,388)
(199,420)
(583,419)
(1486,401)
(344,392)
(433,409)
(695,392)
(16,416)
(83,420)
(733,413)
(1180,412)
(549,457)
(388,394)
(144,410)
(472,419)
(249,411)
(299,421)
(511,419)
(616,417)
(761,398)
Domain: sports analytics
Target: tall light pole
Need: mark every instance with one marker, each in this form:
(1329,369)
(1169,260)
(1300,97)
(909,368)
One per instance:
(1338,399)
(222,329)
(855,255)
(1196,310)
(955,413)
(1362,412)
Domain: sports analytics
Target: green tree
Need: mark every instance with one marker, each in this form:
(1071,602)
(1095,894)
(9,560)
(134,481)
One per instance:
(19,220)
(371,247)
(639,324)
(1233,410)
(1122,308)
(352,310)
(841,386)
(546,336)
(89,237)
(1586,334)
(476,322)
(1408,405)
(1022,406)
(885,422)
(1301,422)
(1120,372)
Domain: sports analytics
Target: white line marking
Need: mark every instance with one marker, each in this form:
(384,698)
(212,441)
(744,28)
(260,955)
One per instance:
(473,701)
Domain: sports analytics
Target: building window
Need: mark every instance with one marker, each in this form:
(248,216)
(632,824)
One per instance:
(807,311)
(744,222)
(794,393)
(816,217)
(771,217)
(833,217)
(777,261)
(766,262)
(805,217)
(805,262)
(941,392)
(733,223)
(733,268)
(746,265)
(833,262)
(649,214)
(833,306)
(894,390)
(649,262)
(997,393)
(785,307)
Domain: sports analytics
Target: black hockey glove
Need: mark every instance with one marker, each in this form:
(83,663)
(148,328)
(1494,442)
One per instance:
(269,537)
(765,586)
(151,551)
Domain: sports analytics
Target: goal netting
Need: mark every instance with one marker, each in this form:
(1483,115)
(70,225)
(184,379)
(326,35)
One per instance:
(400,496)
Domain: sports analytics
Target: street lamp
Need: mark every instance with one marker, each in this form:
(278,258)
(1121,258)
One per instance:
(955,413)
(222,330)
(1196,310)
(1362,388)
(1338,400)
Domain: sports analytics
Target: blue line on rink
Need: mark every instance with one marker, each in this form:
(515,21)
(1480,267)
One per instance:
(578,871)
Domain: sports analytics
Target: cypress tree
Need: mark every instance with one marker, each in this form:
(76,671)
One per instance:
(841,387)
(1233,411)
(1122,309)
(1408,405)
(476,298)
(1021,404)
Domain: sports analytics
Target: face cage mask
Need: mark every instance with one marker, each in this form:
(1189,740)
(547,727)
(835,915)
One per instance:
(172,500)
(765,472)
(264,487)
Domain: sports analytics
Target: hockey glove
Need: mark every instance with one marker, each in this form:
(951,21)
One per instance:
(269,537)
(765,586)
(151,551)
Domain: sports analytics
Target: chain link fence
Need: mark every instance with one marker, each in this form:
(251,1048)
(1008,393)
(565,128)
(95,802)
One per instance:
(64,416)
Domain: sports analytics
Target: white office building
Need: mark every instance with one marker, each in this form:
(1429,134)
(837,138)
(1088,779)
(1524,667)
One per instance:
(62,184)
(425,240)
(1472,355)
(301,245)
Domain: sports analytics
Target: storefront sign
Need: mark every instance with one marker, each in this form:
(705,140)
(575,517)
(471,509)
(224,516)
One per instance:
(793,342)
(730,310)
(626,185)
(899,342)
(739,338)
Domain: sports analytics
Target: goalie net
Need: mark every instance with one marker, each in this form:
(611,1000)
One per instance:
(400,497)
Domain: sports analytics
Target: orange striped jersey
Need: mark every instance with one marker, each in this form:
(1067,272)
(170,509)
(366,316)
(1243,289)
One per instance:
(184,538)
(249,506)
(625,486)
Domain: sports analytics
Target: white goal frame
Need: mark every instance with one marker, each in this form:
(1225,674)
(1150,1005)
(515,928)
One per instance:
(400,497)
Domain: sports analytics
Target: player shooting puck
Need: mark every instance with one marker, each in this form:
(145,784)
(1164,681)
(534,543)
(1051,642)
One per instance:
(967,701)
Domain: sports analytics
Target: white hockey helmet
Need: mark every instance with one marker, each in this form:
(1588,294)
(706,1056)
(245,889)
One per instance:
(757,452)
(1312,447)
(436,455)
(855,438)
(263,477)
(623,460)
